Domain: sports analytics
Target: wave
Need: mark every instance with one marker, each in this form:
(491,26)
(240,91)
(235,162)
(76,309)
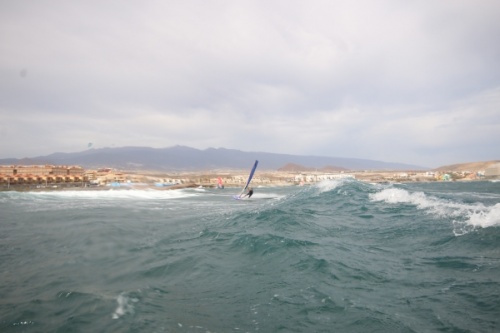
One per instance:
(106,194)
(267,243)
(465,216)
(107,200)
(125,194)
(342,183)
(487,218)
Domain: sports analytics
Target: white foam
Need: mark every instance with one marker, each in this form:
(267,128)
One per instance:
(396,195)
(487,218)
(260,195)
(475,215)
(328,185)
(125,306)
(118,194)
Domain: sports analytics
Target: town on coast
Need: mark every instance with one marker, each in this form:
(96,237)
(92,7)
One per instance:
(61,177)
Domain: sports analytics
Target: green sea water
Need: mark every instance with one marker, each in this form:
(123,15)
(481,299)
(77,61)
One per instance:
(338,256)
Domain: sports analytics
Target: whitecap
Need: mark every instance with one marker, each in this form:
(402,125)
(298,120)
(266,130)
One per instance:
(486,218)
(328,185)
(117,194)
(465,215)
(125,306)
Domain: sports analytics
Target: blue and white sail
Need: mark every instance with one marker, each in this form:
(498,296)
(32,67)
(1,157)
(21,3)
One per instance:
(250,176)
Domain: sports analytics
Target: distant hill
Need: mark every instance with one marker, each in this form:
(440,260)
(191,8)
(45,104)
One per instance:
(291,167)
(472,166)
(330,168)
(181,158)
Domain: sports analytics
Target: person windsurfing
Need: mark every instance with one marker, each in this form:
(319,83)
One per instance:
(249,193)
(220,185)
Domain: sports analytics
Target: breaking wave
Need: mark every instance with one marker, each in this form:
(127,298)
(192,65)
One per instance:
(465,216)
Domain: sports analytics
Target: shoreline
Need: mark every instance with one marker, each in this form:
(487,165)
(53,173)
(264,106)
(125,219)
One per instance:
(132,186)
(112,179)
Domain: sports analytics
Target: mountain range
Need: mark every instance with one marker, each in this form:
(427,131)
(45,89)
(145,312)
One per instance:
(182,158)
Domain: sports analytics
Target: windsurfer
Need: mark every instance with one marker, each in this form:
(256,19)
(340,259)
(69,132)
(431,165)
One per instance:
(249,193)
(220,185)
(248,189)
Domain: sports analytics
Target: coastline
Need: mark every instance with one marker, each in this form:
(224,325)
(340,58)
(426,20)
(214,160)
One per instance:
(150,180)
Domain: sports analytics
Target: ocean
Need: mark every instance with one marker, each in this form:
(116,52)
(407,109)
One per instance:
(337,256)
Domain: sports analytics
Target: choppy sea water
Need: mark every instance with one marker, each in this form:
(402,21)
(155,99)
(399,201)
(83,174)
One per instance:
(339,256)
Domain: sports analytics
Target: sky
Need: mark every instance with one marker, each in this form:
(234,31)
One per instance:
(413,82)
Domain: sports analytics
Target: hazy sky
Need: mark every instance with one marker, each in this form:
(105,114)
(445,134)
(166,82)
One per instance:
(398,81)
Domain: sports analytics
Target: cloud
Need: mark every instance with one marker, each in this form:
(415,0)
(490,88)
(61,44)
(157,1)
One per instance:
(389,80)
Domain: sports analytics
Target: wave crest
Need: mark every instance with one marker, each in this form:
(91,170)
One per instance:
(465,215)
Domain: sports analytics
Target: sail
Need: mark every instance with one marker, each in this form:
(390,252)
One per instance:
(220,184)
(250,176)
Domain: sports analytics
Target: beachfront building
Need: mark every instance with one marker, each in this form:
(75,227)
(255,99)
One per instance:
(41,170)
(40,174)
(106,176)
(318,177)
